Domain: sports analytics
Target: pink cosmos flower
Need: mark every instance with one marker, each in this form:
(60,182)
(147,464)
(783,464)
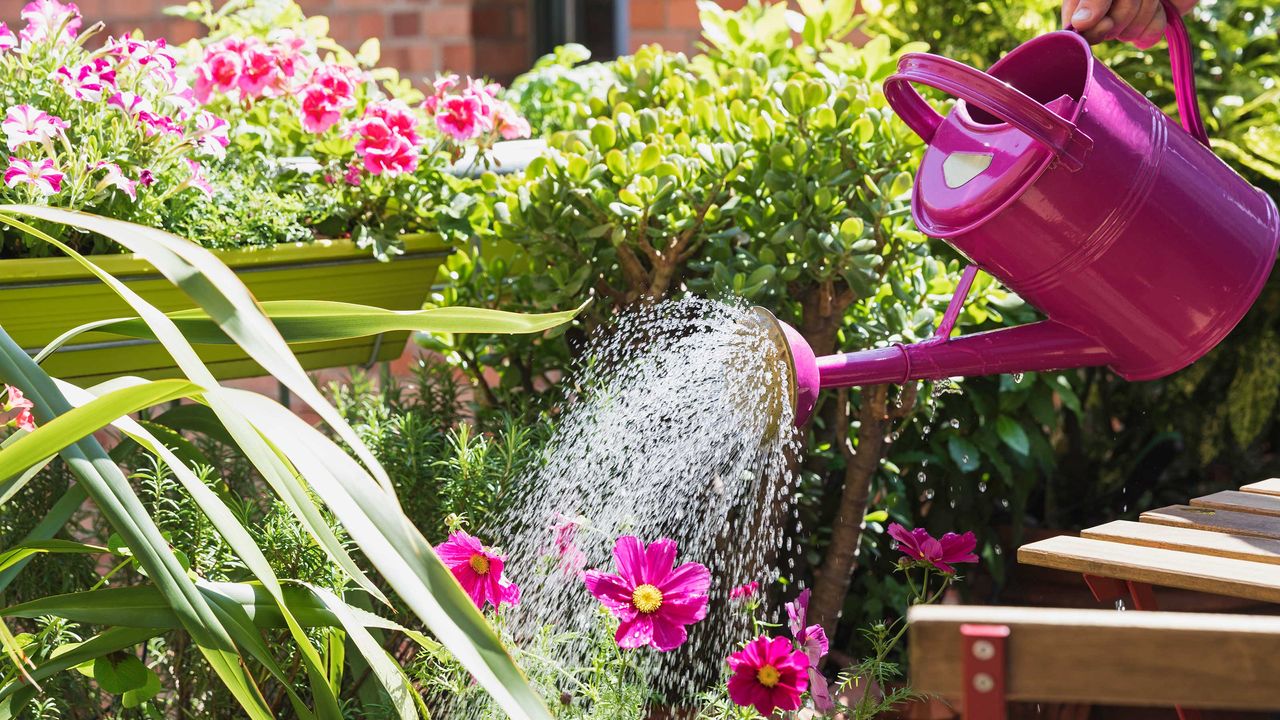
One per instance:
(744,591)
(45,17)
(219,71)
(570,559)
(812,641)
(478,570)
(768,674)
(941,553)
(23,124)
(461,117)
(652,601)
(197,179)
(88,81)
(15,400)
(8,40)
(43,176)
(116,178)
(129,103)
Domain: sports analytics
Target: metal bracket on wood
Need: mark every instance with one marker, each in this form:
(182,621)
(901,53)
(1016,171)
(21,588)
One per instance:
(983,648)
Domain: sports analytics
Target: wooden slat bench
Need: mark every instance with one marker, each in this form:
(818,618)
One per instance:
(1195,660)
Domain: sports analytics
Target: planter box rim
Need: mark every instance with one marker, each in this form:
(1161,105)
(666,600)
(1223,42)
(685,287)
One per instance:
(19,272)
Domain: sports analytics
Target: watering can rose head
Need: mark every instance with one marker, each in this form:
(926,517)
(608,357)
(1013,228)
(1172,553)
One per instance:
(1076,192)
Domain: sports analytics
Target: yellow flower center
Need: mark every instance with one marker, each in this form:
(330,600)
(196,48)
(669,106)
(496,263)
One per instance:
(480,564)
(646,598)
(768,676)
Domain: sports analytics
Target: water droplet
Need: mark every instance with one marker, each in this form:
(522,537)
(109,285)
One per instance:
(954,423)
(982,487)
(928,494)
(1017,377)
(921,476)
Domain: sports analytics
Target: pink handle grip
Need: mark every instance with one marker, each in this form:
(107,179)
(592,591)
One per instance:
(980,89)
(1184,77)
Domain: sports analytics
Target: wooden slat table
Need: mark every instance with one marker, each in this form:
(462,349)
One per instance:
(1226,543)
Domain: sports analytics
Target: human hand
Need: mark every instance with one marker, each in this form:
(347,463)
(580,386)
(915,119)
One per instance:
(1140,22)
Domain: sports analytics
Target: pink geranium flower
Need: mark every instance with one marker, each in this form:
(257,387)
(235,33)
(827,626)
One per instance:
(219,71)
(478,570)
(25,421)
(941,553)
(653,600)
(768,674)
(259,70)
(88,81)
(812,641)
(460,117)
(744,591)
(509,123)
(8,40)
(15,400)
(116,178)
(43,176)
(330,91)
(45,17)
(386,138)
(23,124)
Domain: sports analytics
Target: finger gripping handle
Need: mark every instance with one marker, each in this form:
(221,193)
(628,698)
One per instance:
(981,90)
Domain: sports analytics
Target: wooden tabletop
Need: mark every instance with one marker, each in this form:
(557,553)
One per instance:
(1227,543)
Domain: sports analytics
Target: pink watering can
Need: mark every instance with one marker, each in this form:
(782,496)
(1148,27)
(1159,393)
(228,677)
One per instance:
(1141,247)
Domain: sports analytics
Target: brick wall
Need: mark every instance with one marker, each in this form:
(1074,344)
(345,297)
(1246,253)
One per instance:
(673,24)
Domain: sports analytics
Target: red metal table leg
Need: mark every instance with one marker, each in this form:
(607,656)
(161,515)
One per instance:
(1109,590)
(984,671)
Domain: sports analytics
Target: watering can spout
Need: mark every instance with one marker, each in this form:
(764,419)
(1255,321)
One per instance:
(1045,345)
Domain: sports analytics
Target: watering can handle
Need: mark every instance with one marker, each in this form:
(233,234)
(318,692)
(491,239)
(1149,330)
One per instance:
(973,86)
(1184,77)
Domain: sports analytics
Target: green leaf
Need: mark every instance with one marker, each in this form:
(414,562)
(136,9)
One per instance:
(120,674)
(308,321)
(135,697)
(1012,434)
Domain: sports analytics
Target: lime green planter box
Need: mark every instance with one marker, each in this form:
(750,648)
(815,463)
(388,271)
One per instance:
(41,298)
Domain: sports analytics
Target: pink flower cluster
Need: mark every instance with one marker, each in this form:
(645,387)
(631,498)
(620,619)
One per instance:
(466,111)
(772,674)
(330,91)
(15,400)
(251,67)
(387,138)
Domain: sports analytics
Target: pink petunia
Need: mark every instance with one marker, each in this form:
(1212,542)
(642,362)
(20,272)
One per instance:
(43,176)
(768,674)
(812,641)
(88,81)
(197,179)
(744,591)
(156,124)
(23,124)
(478,570)
(116,178)
(8,40)
(211,134)
(129,103)
(45,17)
(146,178)
(460,117)
(941,553)
(653,600)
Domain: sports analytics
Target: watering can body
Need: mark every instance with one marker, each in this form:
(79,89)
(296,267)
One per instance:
(1142,247)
